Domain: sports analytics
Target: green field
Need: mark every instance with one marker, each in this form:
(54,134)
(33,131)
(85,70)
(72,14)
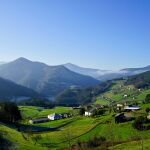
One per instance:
(77,128)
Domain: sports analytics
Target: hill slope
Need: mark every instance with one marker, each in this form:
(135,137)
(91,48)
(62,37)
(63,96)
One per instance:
(9,89)
(141,80)
(82,96)
(48,80)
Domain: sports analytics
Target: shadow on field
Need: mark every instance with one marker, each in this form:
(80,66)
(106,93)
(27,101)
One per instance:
(34,128)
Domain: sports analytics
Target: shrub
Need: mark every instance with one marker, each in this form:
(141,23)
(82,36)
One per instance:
(139,123)
(147,110)
(96,141)
(147,99)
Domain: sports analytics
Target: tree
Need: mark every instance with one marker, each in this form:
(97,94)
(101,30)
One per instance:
(9,112)
(82,111)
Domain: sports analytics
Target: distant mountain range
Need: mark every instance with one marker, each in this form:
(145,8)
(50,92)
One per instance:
(50,81)
(104,75)
(11,90)
(47,80)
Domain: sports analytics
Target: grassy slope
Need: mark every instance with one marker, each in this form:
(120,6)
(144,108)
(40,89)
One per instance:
(17,138)
(135,145)
(117,92)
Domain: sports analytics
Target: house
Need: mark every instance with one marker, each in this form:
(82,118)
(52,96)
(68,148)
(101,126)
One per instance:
(131,108)
(54,116)
(119,118)
(125,96)
(122,117)
(119,106)
(90,112)
(38,120)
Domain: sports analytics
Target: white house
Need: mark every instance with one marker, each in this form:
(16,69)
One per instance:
(87,113)
(54,116)
(119,105)
(125,95)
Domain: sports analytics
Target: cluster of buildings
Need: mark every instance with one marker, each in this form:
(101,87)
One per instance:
(50,117)
(125,107)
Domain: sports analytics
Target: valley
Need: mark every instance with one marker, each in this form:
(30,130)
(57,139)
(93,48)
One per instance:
(80,131)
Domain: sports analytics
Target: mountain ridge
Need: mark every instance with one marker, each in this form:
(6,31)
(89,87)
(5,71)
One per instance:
(45,79)
(9,89)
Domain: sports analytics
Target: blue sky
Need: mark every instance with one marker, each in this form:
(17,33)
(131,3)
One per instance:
(104,34)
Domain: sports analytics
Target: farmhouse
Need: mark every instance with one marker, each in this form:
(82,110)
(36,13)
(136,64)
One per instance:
(54,116)
(90,112)
(119,106)
(131,108)
(39,120)
(122,117)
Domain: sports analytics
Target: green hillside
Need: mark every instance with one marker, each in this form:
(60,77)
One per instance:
(78,128)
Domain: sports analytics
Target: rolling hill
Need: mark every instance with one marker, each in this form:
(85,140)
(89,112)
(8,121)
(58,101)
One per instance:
(9,89)
(47,80)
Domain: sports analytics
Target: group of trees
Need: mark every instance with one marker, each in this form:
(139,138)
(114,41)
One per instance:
(37,102)
(141,122)
(9,112)
(82,96)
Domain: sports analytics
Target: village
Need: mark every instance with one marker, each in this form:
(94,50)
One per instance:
(122,113)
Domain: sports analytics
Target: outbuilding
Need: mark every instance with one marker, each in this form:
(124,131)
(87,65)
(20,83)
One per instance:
(54,116)
(38,120)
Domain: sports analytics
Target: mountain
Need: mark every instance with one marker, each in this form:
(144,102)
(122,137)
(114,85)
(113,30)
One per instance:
(9,89)
(95,73)
(47,80)
(141,80)
(104,75)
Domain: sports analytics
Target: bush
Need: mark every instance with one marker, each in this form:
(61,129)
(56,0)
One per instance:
(147,99)
(147,110)
(82,111)
(139,123)
(96,141)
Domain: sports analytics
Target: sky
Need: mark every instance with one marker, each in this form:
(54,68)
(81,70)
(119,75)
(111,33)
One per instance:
(104,34)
